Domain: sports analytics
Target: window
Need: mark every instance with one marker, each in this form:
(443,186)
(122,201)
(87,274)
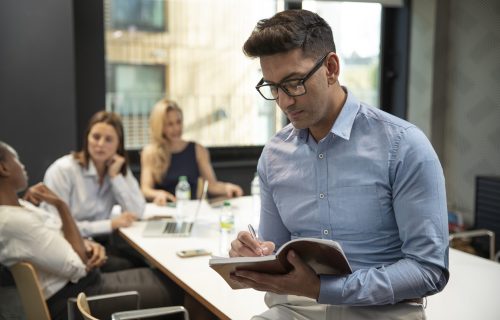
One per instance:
(131,91)
(356,31)
(210,77)
(137,15)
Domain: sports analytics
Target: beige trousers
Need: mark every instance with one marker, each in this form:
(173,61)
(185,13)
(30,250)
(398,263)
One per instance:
(301,308)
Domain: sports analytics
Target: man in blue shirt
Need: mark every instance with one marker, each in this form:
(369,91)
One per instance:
(344,171)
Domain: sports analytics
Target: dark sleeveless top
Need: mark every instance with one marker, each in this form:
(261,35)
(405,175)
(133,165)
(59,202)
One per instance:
(181,164)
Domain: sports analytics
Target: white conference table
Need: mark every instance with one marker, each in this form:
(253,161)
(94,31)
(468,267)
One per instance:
(193,274)
(473,291)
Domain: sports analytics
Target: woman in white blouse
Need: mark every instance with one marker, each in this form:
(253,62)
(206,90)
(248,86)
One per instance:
(94,179)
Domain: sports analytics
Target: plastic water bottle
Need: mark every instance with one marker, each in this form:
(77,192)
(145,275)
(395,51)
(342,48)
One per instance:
(255,191)
(183,195)
(226,228)
(226,218)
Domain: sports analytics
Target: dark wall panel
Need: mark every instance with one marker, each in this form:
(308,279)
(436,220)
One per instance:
(37,82)
(89,61)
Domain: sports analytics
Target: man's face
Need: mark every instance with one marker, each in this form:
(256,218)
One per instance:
(16,170)
(307,111)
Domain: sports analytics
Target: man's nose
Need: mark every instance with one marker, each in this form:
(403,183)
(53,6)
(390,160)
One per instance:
(284,100)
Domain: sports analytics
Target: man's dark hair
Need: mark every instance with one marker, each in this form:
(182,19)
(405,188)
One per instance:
(288,30)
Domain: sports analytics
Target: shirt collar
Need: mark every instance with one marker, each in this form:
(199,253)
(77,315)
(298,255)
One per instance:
(345,120)
(91,170)
(343,124)
(302,134)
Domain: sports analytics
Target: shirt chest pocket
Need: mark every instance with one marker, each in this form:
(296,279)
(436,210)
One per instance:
(355,209)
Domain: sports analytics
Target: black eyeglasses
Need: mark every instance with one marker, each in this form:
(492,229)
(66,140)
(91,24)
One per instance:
(292,87)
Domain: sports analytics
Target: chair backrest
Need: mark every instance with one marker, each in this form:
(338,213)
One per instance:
(83,306)
(30,291)
(487,215)
(104,305)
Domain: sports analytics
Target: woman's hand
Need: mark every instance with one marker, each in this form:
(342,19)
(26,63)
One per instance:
(115,165)
(123,220)
(40,192)
(162,197)
(96,254)
(232,190)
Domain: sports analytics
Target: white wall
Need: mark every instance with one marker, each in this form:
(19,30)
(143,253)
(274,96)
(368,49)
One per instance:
(455,90)
(423,25)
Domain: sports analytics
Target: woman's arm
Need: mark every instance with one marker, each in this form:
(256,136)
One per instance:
(128,194)
(207,172)
(147,180)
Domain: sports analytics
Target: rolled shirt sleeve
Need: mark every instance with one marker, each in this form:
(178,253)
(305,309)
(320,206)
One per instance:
(91,228)
(128,193)
(52,255)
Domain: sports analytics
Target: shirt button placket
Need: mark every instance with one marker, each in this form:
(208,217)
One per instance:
(322,189)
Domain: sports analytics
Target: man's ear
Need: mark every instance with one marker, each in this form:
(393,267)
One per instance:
(333,67)
(4,171)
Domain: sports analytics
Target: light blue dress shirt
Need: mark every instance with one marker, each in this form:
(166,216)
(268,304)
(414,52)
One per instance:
(375,185)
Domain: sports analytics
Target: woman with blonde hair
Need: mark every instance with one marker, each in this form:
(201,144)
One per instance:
(168,157)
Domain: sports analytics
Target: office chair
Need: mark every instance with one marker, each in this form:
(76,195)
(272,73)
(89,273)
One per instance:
(486,218)
(104,305)
(84,309)
(477,233)
(35,306)
(33,301)
(487,209)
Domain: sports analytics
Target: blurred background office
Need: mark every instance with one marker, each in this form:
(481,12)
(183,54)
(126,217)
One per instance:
(432,62)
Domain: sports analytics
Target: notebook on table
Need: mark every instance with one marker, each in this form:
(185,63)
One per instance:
(173,227)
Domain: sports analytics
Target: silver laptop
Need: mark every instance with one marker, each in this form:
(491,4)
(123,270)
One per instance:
(171,227)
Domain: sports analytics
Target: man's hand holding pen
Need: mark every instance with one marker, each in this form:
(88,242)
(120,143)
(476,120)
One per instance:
(247,244)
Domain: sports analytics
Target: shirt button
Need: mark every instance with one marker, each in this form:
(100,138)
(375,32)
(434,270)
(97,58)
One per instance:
(321,156)
(325,232)
(321,195)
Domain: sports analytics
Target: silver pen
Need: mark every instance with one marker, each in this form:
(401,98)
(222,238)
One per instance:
(252,231)
(254,236)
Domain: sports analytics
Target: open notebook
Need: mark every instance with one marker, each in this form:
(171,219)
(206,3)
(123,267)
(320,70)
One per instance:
(172,227)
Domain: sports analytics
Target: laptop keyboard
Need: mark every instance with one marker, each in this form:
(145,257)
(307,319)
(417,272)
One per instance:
(178,227)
